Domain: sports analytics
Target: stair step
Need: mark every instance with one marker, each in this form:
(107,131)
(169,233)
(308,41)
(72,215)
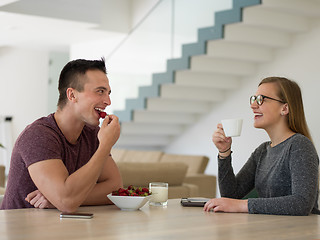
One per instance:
(205,79)
(174,91)
(304,8)
(143,141)
(145,116)
(227,66)
(223,55)
(239,51)
(151,128)
(275,19)
(243,33)
(181,106)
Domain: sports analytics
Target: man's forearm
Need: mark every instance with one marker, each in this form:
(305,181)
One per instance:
(98,195)
(109,180)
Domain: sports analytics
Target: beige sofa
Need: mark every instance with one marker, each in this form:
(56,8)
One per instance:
(184,173)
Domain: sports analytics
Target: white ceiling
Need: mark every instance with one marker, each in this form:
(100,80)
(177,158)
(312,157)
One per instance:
(56,24)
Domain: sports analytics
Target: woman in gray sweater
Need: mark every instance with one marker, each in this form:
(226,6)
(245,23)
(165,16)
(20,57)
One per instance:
(284,170)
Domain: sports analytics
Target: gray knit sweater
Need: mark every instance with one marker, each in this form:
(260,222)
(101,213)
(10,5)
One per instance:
(285,178)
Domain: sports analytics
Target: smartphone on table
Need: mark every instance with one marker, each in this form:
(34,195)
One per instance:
(76,215)
(194,202)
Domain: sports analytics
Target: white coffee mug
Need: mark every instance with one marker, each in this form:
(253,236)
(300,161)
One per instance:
(232,127)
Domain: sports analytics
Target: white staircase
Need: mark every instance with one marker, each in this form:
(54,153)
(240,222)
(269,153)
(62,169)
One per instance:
(265,28)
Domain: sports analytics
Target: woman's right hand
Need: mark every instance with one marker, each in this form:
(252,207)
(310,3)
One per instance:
(222,142)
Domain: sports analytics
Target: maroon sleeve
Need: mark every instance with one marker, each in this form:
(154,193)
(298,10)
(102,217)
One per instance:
(39,143)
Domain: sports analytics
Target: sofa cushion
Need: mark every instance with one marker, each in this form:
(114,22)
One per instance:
(141,156)
(206,183)
(118,154)
(183,191)
(196,164)
(141,174)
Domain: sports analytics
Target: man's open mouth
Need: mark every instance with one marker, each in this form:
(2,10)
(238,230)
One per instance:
(101,112)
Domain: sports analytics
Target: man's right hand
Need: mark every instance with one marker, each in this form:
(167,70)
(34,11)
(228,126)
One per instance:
(110,131)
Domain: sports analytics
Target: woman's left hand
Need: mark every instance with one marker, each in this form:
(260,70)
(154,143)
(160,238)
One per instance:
(226,205)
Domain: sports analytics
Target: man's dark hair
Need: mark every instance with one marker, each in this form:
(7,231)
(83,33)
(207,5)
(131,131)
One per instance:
(71,76)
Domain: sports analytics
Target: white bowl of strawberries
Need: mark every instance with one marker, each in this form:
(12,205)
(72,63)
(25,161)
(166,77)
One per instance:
(131,198)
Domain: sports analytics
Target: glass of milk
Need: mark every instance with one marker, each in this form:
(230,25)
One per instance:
(159,196)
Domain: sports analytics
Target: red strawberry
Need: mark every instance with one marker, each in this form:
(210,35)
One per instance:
(102,114)
(132,191)
(145,190)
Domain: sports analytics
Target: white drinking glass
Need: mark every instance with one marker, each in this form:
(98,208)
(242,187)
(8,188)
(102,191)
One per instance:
(159,193)
(232,127)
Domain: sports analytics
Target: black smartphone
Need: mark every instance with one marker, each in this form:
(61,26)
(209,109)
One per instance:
(194,202)
(76,215)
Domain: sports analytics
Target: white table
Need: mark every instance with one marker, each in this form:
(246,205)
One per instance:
(172,222)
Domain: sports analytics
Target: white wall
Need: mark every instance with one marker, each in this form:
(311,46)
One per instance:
(23,81)
(57,61)
(299,62)
(140,8)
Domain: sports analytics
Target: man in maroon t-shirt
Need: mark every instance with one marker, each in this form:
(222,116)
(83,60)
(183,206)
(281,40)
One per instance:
(63,160)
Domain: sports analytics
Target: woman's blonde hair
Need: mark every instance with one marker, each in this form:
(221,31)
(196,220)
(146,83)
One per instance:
(289,92)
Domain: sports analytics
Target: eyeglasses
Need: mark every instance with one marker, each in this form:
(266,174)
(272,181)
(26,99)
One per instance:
(260,98)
